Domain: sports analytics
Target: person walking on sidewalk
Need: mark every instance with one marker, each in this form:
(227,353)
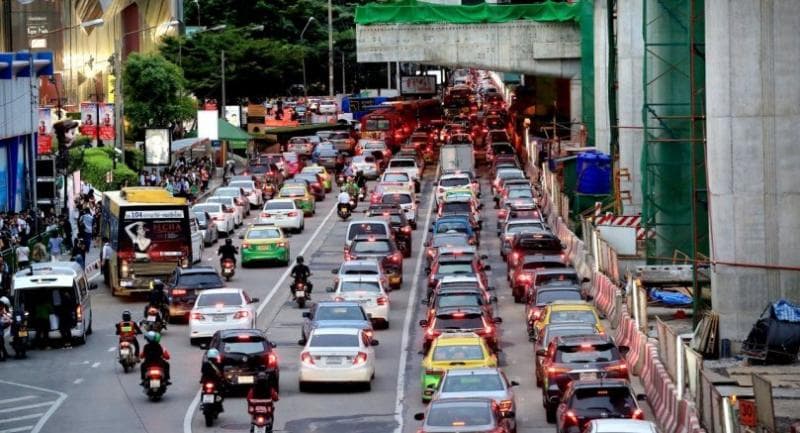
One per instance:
(23,255)
(105,259)
(56,246)
(87,221)
(79,253)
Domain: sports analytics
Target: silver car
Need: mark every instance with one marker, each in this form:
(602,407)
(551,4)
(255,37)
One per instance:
(208,227)
(479,382)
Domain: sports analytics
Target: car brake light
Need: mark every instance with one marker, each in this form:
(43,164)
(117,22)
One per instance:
(570,418)
(505,405)
(487,327)
(523,278)
(338,299)
(553,371)
(241,314)
(272,360)
(458,315)
(178,292)
(292,214)
(360,359)
(535,314)
(397,257)
(79,313)
(197,316)
(621,367)
(638,414)
(265,215)
(406,229)
(245,245)
(306,358)
(369,333)
(383,300)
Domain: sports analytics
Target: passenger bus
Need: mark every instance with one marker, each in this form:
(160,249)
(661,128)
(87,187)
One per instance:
(150,234)
(395,121)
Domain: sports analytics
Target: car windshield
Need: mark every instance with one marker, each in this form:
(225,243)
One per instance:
(339,136)
(395,177)
(444,227)
(541,244)
(450,241)
(454,181)
(225,299)
(372,247)
(456,207)
(228,192)
(587,353)
(548,296)
(396,199)
(583,316)
(210,208)
(334,340)
(527,227)
(363,159)
(200,280)
(250,346)
(473,383)
(293,192)
(264,234)
(290,156)
(449,415)
(279,205)
(552,333)
(459,301)
(520,193)
(616,399)
(340,313)
(221,200)
(459,321)
(259,169)
(455,268)
(366,229)
(359,286)
(327,152)
(501,148)
(467,352)
(511,174)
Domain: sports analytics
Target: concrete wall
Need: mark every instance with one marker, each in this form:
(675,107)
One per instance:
(528,47)
(602,134)
(630,97)
(753,108)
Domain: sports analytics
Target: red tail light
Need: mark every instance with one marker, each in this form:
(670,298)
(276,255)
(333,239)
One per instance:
(197,316)
(524,278)
(638,414)
(79,313)
(506,405)
(383,300)
(265,215)
(431,252)
(306,358)
(272,360)
(369,333)
(570,418)
(360,359)
(241,314)
(208,387)
(292,214)
(487,327)
(338,299)
(154,372)
(406,229)
(397,257)
(245,245)
(535,314)
(178,292)
(554,371)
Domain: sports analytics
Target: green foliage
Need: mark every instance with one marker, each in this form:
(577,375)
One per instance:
(134,158)
(81,140)
(154,93)
(95,162)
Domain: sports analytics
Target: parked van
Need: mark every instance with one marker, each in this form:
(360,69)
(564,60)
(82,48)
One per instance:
(453,157)
(45,288)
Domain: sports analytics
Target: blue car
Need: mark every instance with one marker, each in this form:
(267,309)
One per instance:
(456,224)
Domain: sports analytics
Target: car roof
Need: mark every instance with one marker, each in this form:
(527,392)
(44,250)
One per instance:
(557,271)
(454,338)
(369,278)
(197,269)
(570,305)
(321,304)
(280,200)
(472,371)
(333,330)
(449,279)
(612,425)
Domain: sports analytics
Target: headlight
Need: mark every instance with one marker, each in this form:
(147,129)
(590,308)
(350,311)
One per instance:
(124,269)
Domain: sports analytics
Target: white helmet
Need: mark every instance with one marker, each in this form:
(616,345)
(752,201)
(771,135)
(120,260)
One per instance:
(5,301)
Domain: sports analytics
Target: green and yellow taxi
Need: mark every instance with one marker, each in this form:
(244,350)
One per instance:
(263,242)
(301,196)
(453,350)
(322,172)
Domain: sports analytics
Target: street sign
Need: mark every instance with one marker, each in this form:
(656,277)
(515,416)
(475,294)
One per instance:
(765,413)
(216,144)
(747,413)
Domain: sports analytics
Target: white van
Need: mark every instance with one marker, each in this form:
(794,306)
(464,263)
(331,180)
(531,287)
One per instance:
(198,242)
(46,286)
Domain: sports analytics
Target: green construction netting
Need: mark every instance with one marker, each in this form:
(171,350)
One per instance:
(414,12)
(587,67)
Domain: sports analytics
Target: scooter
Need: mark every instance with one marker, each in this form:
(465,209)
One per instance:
(343,211)
(153,321)
(228,269)
(127,355)
(19,334)
(261,415)
(155,384)
(210,402)
(300,296)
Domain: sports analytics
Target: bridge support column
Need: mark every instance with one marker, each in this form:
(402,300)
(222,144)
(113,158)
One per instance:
(575,111)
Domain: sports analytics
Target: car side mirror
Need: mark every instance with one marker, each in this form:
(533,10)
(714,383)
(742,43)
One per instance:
(306,314)
(417,201)
(498,320)
(586,280)
(255,300)
(510,414)
(423,323)
(484,257)
(419,416)
(487,268)
(641,397)
(514,383)
(589,298)
(623,349)
(563,246)
(374,342)
(330,289)
(272,344)
(92,286)
(490,288)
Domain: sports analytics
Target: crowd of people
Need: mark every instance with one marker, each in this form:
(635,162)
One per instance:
(184,178)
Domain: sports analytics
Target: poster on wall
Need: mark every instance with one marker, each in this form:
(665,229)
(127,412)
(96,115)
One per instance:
(233,115)
(107,132)
(157,147)
(44,129)
(207,126)
(418,85)
(88,122)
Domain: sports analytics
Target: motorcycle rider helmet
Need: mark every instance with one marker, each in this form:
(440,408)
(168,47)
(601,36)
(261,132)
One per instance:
(157,284)
(126,316)
(157,337)
(228,242)
(150,336)
(5,302)
(299,260)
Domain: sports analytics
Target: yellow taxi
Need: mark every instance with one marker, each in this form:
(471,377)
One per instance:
(322,172)
(301,196)
(569,311)
(453,350)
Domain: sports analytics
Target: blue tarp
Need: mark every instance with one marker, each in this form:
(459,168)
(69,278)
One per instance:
(670,298)
(785,311)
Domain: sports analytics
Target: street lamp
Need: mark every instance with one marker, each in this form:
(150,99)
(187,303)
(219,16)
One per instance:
(305,86)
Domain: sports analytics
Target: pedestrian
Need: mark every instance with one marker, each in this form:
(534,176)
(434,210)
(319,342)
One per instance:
(79,253)
(87,220)
(105,257)
(65,313)
(5,278)
(5,322)
(23,256)
(56,245)
(41,320)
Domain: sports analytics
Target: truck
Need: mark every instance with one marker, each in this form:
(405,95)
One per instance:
(454,157)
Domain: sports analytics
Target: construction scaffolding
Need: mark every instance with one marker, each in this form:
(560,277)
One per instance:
(675,207)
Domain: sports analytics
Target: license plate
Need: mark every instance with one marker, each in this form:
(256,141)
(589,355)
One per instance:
(245,379)
(587,376)
(333,361)
(394,279)
(125,352)
(263,247)
(260,429)
(23,333)
(219,318)
(300,294)
(151,318)
(155,383)
(208,398)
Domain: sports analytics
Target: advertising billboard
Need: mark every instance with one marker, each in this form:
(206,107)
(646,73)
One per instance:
(157,147)
(418,85)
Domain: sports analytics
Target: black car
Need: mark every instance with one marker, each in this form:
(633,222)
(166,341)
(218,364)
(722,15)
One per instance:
(398,223)
(315,184)
(183,286)
(243,353)
(384,250)
(585,400)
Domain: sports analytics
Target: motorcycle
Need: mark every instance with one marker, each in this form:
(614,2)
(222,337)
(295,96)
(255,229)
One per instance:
(155,384)
(362,193)
(19,334)
(300,290)
(153,321)
(261,412)
(228,269)
(210,402)
(343,211)
(127,356)
(340,180)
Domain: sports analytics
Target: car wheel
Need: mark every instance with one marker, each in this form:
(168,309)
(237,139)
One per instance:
(303,386)
(367,386)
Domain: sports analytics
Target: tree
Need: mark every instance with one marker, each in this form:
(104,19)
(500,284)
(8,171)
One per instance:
(155,94)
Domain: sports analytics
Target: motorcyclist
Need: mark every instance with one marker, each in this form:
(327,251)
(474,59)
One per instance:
(158,299)
(361,181)
(5,322)
(154,355)
(351,187)
(344,199)
(210,372)
(301,272)
(339,166)
(227,252)
(127,330)
(262,390)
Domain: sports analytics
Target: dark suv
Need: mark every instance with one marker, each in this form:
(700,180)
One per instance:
(382,249)
(243,353)
(579,358)
(400,226)
(183,286)
(461,319)
(596,399)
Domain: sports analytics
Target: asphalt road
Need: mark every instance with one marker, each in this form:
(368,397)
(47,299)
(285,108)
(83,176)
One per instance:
(85,387)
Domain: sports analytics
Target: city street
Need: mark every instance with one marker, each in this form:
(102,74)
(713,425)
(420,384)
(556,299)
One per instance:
(96,393)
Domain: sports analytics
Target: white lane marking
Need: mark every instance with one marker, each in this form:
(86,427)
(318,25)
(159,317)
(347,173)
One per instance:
(112,348)
(17,429)
(20,418)
(78,381)
(61,397)
(26,407)
(96,364)
(405,345)
(16,399)
(187,418)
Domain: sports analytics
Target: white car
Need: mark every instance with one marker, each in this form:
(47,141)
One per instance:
(409,165)
(402,198)
(282,212)
(360,267)
(337,355)
(238,195)
(375,227)
(229,202)
(368,291)
(219,309)
(365,164)
(254,195)
(223,216)
(327,107)
(620,426)
(401,178)
(300,145)
(198,239)
(448,182)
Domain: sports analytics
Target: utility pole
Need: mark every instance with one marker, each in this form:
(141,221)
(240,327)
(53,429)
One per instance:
(222,68)
(330,48)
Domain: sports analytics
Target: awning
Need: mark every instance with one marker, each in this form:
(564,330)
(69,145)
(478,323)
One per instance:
(185,143)
(236,137)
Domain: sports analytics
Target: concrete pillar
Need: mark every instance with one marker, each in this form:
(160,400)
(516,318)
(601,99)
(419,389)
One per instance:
(753,109)
(575,111)
(602,135)
(630,98)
